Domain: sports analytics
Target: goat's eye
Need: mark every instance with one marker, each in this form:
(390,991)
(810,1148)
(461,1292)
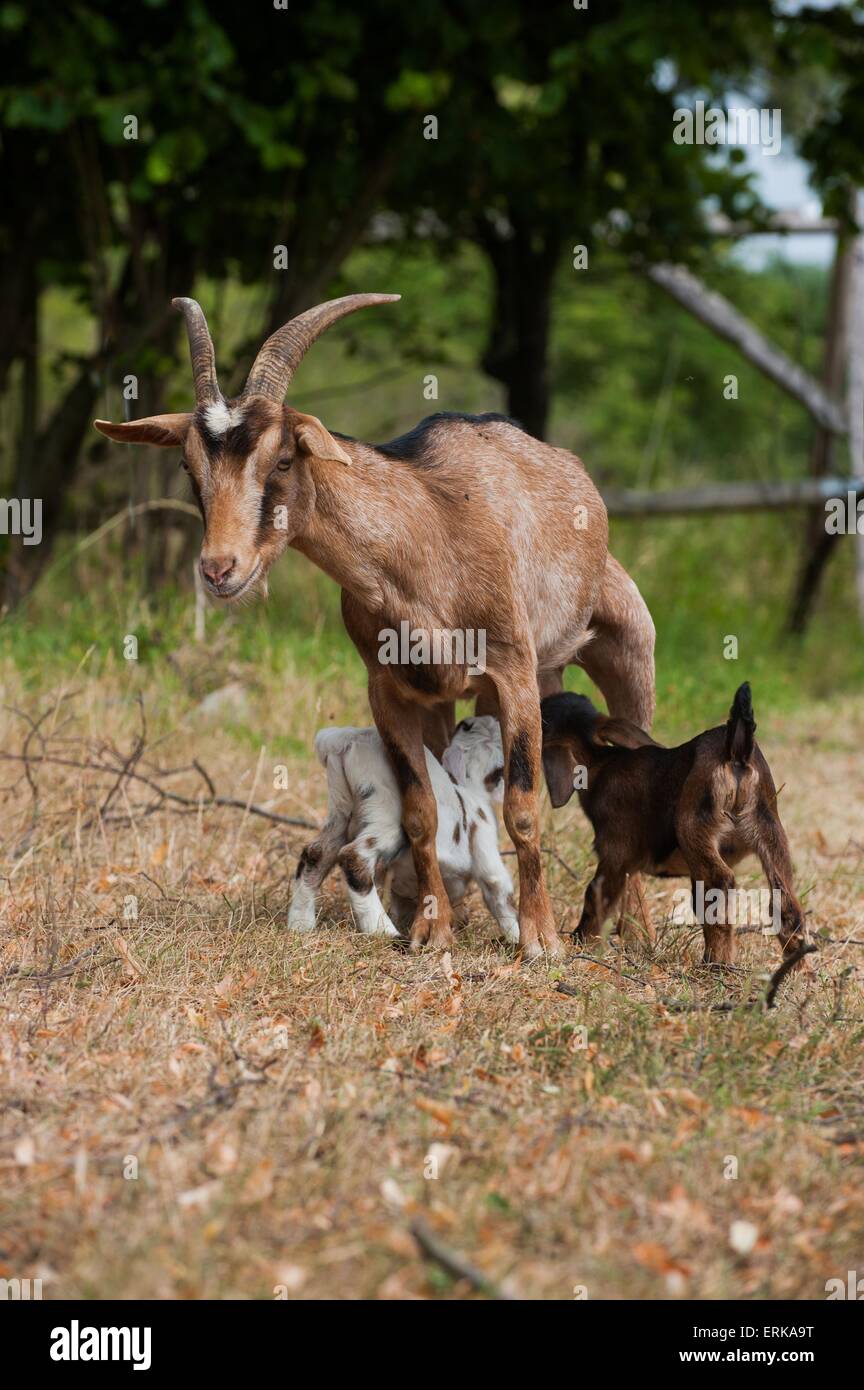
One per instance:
(283,464)
(184,465)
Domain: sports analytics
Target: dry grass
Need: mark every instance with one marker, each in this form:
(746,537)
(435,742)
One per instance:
(283,1101)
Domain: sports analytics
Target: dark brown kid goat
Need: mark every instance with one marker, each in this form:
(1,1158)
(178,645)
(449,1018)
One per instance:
(464,526)
(695,810)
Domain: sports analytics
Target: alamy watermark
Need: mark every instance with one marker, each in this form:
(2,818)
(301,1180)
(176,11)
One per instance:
(747,125)
(20,1290)
(733,907)
(22,516)
(77,1343)
(845,516)
(851,1287)
(437,646)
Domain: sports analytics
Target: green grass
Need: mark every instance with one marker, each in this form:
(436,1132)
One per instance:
(636,391)
(704,581)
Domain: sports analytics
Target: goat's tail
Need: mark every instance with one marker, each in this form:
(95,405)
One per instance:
(741,727)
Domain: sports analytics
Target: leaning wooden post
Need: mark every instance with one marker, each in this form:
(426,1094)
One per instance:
(855,385)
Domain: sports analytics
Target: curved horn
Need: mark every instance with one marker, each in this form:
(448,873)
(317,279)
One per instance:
(281,355)
(200,350)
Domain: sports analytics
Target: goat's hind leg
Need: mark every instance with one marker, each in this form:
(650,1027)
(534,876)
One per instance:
(718,889)
(772,847)
(700,827)
(620,656)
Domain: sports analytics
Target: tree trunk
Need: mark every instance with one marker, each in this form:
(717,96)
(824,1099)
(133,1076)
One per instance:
(517,350)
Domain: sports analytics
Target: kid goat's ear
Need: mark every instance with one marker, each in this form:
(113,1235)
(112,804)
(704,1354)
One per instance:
(558,769)
(166,431)
(312,438)
(621,733)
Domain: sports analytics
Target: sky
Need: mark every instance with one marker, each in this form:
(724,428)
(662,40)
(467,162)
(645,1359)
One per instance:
(781,181)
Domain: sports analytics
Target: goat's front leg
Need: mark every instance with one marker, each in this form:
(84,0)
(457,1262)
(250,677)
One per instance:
(401,728)
(602,896)
(521,736)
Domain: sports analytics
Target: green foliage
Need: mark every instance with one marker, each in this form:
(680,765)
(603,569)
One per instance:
(703,578)
(295,127)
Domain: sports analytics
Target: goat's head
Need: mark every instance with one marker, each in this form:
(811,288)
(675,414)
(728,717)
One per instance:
(475,756)
(573,733)
(248,459)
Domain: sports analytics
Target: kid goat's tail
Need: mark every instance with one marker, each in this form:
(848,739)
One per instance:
(741,727)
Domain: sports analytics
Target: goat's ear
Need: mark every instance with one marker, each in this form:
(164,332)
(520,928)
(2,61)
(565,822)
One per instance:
(313,439)
(558,765)
(167,431)
(621,733)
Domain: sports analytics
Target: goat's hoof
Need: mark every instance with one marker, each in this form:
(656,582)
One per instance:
(434,935)
(384,927)
(510,935)
(300,922)
(552,947)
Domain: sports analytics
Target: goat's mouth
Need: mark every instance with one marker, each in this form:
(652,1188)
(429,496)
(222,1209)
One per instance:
(238,589)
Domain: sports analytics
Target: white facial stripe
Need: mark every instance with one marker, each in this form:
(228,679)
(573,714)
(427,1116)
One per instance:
(232,493)
(234,503)
(220,417)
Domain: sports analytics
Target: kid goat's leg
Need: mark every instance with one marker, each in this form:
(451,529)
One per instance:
(718,881)
(699,825)
(602,895)
(357,862)
(521,736)
(495,882)
(401,728)
(773,850)
(315,863)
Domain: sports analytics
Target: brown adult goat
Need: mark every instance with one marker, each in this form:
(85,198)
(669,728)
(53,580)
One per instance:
(698,810)
(464,525)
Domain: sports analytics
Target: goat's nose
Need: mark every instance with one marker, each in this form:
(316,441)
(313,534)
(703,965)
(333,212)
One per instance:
(217,568)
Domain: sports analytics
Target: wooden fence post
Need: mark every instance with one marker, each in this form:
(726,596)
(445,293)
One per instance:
(855,385)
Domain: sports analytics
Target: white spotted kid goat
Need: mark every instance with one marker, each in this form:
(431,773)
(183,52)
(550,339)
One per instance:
(363,831)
